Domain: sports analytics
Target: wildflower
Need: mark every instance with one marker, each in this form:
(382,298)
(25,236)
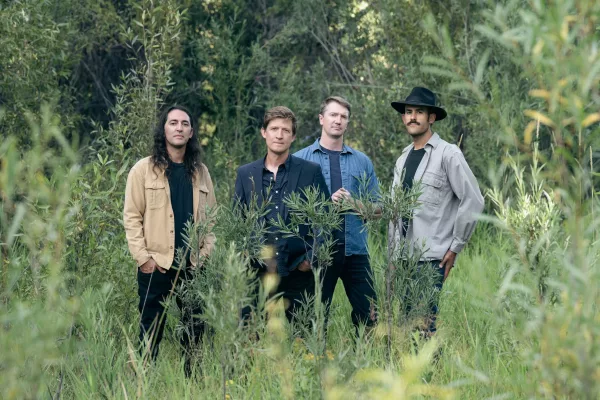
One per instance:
(267,252)
(298,345)
(270,282)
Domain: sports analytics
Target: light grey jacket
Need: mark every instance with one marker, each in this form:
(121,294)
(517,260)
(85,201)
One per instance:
(450,202)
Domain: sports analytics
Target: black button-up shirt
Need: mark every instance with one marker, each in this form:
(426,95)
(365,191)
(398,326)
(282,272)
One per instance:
(274,189)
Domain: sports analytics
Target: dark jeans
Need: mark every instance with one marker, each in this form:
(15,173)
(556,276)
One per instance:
(357,277)
(153,290)
(430,319)
(294,288)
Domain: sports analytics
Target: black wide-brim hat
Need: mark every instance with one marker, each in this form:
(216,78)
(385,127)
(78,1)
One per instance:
(421,96)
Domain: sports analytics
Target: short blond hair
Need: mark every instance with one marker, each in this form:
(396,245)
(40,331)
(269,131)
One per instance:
(337,99)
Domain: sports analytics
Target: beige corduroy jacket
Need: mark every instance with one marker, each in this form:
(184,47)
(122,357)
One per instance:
(148,215)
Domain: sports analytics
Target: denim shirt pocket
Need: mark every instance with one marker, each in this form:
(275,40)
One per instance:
(433,188)
(359,186)
(156,194)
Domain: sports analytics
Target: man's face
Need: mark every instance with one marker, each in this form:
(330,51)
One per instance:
(178,129)
(417,120)
(334,119)
(279,135)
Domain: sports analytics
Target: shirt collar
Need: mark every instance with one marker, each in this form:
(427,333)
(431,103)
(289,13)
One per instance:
(286,164)
(433,141)
(316,146)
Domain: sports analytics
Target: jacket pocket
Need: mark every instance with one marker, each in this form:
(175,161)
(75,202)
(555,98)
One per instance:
(433,186)
(202,201)
(156,195)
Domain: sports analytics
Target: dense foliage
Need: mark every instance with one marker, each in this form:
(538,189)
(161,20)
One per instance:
(81,84)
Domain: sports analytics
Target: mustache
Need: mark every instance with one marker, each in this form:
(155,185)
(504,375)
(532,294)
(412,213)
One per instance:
(413,122)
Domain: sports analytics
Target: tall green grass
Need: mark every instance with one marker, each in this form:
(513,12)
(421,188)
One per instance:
(481,358)
(498,337)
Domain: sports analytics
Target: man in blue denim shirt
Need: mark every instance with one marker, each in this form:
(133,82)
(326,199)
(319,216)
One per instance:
(349,174)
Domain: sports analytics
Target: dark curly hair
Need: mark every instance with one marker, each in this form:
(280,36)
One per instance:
(160,157)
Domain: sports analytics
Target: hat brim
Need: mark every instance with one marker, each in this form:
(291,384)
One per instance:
(439,112)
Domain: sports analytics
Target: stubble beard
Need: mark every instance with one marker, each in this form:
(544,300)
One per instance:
(417,135)
(279,152)
(336,134)
(177,146)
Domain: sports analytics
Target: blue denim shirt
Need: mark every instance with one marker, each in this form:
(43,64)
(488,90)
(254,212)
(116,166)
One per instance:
(358,177)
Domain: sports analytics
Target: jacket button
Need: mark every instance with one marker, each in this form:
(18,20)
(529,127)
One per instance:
(170,247)
(171,215)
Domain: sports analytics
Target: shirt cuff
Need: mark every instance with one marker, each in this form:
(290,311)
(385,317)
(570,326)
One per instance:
(141,260)
(457,245)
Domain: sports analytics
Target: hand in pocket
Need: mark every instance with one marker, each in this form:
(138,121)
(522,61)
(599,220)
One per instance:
(304,266)
(149,266)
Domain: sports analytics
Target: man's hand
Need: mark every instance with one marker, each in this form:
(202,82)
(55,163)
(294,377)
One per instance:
(448,262)
(304,266)
(149,266)
(341,195)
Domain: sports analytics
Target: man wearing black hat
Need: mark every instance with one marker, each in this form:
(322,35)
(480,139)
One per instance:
(450,199)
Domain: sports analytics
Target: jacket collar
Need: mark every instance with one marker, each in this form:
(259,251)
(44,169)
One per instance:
(287,162)
(199,181)
(294,169)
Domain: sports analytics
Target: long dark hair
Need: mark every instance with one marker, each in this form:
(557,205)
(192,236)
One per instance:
(160,157)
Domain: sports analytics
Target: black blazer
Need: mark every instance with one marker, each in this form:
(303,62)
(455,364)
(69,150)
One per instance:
(301,175)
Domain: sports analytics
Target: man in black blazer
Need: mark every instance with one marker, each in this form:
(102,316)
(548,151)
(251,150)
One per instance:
(272,179)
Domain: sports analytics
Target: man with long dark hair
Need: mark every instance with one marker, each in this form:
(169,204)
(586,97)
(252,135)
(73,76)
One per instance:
(164,192)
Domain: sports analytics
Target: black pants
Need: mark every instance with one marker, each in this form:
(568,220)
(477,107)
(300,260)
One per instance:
(294,288)
(431,314)
(153,290)
(357,277)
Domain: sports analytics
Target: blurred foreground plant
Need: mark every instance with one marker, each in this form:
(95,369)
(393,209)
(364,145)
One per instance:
(385,384)
(531,217)
(554,47)
(37,314)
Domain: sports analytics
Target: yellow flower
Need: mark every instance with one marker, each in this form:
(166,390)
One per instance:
(329,354)
(267,252)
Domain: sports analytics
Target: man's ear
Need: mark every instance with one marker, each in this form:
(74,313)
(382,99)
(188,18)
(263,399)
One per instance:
(432,117)
(263,133)
(321,119)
